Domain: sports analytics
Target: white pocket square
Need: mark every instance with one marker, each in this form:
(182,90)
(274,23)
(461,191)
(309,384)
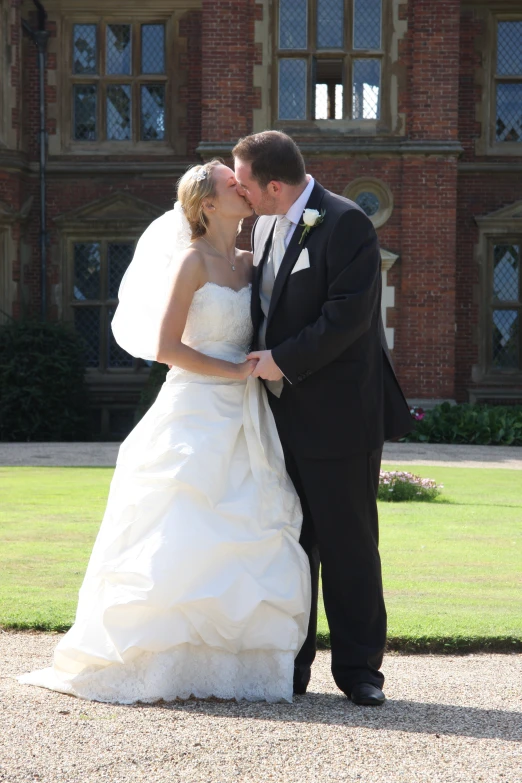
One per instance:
(303,262)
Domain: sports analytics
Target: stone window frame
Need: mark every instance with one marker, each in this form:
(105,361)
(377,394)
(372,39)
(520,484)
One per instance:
(114,218)
(346,125)
(379,189)
(168,13)
(504,226)
(104,303)
(487,144)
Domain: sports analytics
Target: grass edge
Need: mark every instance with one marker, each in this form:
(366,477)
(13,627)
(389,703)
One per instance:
(411,645)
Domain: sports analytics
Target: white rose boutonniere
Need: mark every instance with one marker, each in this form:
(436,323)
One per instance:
(311,219)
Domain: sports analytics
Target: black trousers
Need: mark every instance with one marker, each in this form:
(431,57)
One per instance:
(340,534)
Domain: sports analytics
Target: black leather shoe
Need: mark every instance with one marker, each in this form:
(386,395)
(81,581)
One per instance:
(367,695)
(301,680)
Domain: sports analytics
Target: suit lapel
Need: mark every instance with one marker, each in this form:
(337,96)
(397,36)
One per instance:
(293,250)
(261,250)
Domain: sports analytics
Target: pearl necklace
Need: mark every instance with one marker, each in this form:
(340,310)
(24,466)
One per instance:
(232,263)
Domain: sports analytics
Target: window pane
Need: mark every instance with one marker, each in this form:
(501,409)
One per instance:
(330,24)
(509,48)
(366,89)
(367,24)
(119,48)
(119,257)
(293,24)
(87,324)
(153,48)
(368,202)
(509,112)
(117,356)
(506,272)
(118,112)
(505,339)
(84,111)
(152,112)
(87,262)
(84,48)
(292,89)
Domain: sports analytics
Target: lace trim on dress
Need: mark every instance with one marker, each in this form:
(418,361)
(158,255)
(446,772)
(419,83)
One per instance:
(189,670)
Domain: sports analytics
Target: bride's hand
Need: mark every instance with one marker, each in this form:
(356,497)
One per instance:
(245,369)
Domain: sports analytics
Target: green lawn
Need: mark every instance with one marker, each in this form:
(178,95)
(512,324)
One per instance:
(452,568)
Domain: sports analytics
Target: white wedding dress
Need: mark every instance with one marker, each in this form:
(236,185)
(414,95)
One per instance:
(197,584)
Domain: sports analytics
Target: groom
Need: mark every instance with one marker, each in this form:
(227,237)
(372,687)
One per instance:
(321,349)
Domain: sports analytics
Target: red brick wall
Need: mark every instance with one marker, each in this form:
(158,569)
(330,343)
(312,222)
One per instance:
(432,227)
(190,92)
(227,56)
(433,31)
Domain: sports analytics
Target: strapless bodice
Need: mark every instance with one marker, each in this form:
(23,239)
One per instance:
(218,325)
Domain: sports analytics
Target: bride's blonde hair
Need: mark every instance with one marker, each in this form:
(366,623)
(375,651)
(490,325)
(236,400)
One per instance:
(194,187)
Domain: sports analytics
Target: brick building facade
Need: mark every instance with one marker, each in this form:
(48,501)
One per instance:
(411,107)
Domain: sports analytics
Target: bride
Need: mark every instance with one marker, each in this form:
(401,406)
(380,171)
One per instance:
(197,584)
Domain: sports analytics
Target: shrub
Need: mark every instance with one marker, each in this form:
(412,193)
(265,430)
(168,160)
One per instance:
(42,389)
(482,425)
(397,486)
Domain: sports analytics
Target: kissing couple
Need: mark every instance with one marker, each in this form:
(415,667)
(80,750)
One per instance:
(258,463)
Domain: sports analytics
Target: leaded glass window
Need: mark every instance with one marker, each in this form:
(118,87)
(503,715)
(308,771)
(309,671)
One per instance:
(330,59)
(506,307)
(508,82)
(293,24)
(119,82)
(366,85)
(367,24)
(153,111)
(85,48)
(292,89)
(153,48)
(98,268)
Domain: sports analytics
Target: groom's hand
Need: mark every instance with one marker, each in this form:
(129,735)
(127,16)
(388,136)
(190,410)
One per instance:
(266,368)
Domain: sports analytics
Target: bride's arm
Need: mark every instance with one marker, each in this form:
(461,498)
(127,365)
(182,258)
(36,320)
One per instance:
(171,350)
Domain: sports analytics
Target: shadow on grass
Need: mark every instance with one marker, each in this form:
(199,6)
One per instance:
(394,715)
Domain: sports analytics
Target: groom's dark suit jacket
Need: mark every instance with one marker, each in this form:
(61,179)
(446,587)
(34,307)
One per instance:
(325,331)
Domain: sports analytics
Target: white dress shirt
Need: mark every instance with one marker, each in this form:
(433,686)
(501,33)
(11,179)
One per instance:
(295,213)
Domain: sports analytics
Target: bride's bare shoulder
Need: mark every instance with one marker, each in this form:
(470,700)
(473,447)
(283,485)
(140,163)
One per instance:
(190,267)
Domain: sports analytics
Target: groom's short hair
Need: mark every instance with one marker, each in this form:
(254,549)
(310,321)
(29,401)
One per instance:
(272,156)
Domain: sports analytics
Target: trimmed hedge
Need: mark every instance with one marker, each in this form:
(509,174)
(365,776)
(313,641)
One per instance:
(482,425)
(43,396)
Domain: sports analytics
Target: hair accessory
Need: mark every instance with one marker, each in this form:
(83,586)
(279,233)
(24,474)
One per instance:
(200,175)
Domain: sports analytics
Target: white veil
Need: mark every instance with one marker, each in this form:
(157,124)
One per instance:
(146,284)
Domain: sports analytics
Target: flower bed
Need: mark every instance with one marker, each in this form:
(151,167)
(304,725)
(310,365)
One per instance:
(397,485)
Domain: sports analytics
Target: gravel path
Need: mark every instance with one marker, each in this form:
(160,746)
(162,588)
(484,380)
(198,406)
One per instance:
(447,720)
(104,454)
